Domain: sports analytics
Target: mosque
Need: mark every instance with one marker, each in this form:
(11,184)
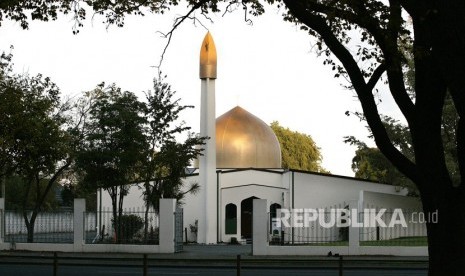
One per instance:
(242,162)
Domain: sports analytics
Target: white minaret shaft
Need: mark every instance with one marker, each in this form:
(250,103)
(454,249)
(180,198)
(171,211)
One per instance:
(207,232)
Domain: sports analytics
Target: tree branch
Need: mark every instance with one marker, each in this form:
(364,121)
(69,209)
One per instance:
(376,76)
(318,24)
(51,181)
(178,22)
(387,44)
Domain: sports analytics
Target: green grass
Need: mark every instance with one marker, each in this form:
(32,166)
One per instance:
(402,241)
(333,243)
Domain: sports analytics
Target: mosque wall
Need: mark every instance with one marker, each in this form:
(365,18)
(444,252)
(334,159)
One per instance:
(232,179)
(310,190)
(193,210)
(236,196)
(133,200)
(319,191)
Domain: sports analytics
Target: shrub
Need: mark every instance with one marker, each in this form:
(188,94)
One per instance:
(130,225)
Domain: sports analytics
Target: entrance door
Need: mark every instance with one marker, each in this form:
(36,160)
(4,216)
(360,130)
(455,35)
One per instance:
(246,217)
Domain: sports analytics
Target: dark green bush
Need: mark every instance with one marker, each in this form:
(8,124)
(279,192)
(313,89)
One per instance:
(130,225)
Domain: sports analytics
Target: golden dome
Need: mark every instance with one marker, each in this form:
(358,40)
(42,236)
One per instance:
(245,141)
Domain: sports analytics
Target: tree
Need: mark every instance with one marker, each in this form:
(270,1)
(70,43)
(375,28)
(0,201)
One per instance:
(377,28)
(370,163)
(16,188)
(298,150)
(166,160)
(36,146)
(113,146)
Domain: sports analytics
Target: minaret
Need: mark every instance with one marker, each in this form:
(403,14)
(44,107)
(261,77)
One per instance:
(207,232)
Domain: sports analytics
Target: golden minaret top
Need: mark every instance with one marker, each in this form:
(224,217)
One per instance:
(208,58)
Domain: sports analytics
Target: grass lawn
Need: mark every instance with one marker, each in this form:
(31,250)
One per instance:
(402,241)
(334,243)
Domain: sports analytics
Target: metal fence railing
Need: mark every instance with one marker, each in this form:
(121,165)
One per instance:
(311,233)
(132,227)
(376,227)
(2,223)
(49,227)
(411,232)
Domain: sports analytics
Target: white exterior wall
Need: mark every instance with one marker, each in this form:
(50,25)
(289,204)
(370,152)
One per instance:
(193,208)
(372,199)
(132,200)
(239,185)
(410,208)
(311,191)
(319,191)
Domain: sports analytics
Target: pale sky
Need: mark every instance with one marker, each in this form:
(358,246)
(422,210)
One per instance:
(268,68)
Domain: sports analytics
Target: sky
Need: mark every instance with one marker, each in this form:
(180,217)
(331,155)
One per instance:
(270,68)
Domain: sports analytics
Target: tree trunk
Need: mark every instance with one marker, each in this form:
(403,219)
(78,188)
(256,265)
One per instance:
(446,237)
(30,225)
(120,215)
(146,215)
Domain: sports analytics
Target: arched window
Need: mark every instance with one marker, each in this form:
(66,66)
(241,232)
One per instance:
(231,219)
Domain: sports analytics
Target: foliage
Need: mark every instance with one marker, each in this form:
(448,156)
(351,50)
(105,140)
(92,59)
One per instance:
(129,225)
(128,141)
(363,41)
(166,160)
(70,191)
(114,144)
(36,146)
(370,163)
(16,189)
(298,150)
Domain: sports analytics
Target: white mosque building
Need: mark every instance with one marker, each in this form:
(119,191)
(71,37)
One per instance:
(242,162)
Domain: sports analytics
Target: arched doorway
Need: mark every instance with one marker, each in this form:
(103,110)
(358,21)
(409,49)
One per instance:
(246,217)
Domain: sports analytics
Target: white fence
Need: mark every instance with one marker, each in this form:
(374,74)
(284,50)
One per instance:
(46,222)
(314,240)
(77,225)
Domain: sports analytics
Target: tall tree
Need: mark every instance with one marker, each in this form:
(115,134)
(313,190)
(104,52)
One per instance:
(166,160)
(370,163)
(298,150)
(377,28)
(35,143)
(114,145)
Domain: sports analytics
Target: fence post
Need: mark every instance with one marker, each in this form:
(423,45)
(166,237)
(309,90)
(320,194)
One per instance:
(238,265)
(145,265)
(259,227)
(341,268)
(166,230)
(2,220)
(78,223)
(55,264)
(354,232)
